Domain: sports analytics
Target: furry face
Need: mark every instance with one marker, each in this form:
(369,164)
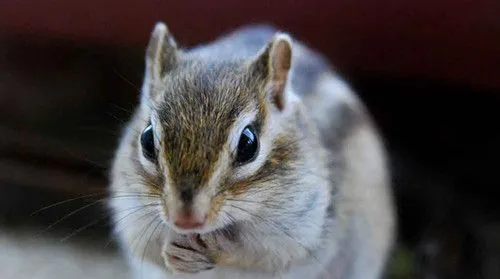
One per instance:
(223,166)
(197,117)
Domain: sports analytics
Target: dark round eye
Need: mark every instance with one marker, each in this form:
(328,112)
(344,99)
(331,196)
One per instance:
(247,146)
(148,143)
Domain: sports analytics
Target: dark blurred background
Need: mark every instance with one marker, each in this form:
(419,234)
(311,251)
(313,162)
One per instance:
(429,72)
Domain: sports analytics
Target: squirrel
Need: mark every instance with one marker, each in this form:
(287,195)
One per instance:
(249,157)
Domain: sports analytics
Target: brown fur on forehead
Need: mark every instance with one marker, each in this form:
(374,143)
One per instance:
(201,101)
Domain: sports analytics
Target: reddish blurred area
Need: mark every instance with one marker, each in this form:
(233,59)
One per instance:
(454,40)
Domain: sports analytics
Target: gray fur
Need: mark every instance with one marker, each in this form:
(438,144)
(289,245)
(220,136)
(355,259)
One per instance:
(319,196)
(245,42)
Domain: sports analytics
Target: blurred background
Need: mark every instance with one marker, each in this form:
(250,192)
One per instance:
(428,70)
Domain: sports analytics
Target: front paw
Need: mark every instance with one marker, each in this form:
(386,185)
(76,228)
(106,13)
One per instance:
(187,257)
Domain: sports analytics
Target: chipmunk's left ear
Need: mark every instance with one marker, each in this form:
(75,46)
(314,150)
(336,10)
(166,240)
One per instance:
(274,63)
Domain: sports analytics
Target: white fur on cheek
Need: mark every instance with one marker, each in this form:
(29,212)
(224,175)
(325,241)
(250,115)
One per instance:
(266,137)
(265,145)
(243,120)
(148,165)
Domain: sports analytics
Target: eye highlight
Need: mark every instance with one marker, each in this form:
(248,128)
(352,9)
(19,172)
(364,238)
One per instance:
(248,146)
(148,143)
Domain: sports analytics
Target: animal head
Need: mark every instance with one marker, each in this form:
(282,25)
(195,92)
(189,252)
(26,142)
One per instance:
(217,140)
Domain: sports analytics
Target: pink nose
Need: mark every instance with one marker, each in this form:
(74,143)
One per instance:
(187,220)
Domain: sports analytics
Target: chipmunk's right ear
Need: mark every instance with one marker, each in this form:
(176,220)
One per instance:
(161,54)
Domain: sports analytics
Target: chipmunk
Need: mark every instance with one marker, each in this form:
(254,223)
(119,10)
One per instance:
(248,157)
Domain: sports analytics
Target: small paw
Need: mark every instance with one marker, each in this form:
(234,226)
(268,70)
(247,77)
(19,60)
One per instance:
(191,258)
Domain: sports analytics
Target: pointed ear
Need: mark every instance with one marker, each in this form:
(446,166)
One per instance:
(274,63)
(161,53)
